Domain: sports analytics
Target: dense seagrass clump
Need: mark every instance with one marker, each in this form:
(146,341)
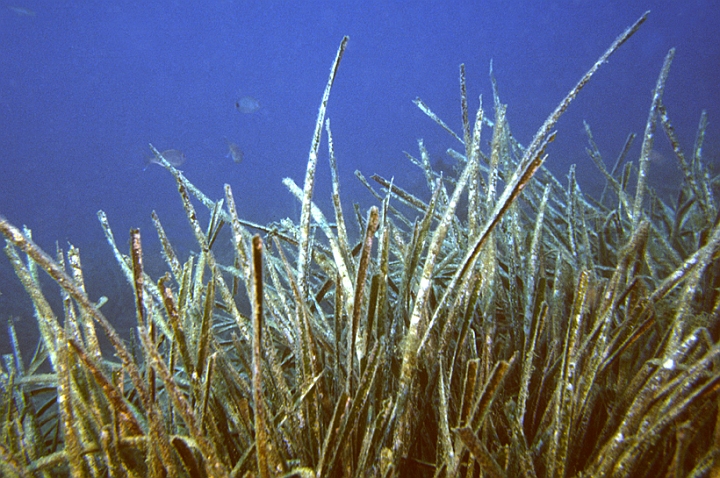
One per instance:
(532,331)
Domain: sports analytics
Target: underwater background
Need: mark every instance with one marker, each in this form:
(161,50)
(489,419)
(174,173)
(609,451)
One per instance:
(85,86)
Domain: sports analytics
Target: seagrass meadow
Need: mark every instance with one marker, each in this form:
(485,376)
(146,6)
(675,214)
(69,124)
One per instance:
(511,325)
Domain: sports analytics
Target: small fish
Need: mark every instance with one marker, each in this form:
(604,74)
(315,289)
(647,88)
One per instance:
(235,152)
(23,12)
(173,156)
(247,105)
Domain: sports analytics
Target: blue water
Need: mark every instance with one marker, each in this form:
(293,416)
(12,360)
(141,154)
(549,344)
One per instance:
(85,86)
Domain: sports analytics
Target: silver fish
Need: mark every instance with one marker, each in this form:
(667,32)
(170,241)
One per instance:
(22,11)
(173,156)
(235,152)
(247,105)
